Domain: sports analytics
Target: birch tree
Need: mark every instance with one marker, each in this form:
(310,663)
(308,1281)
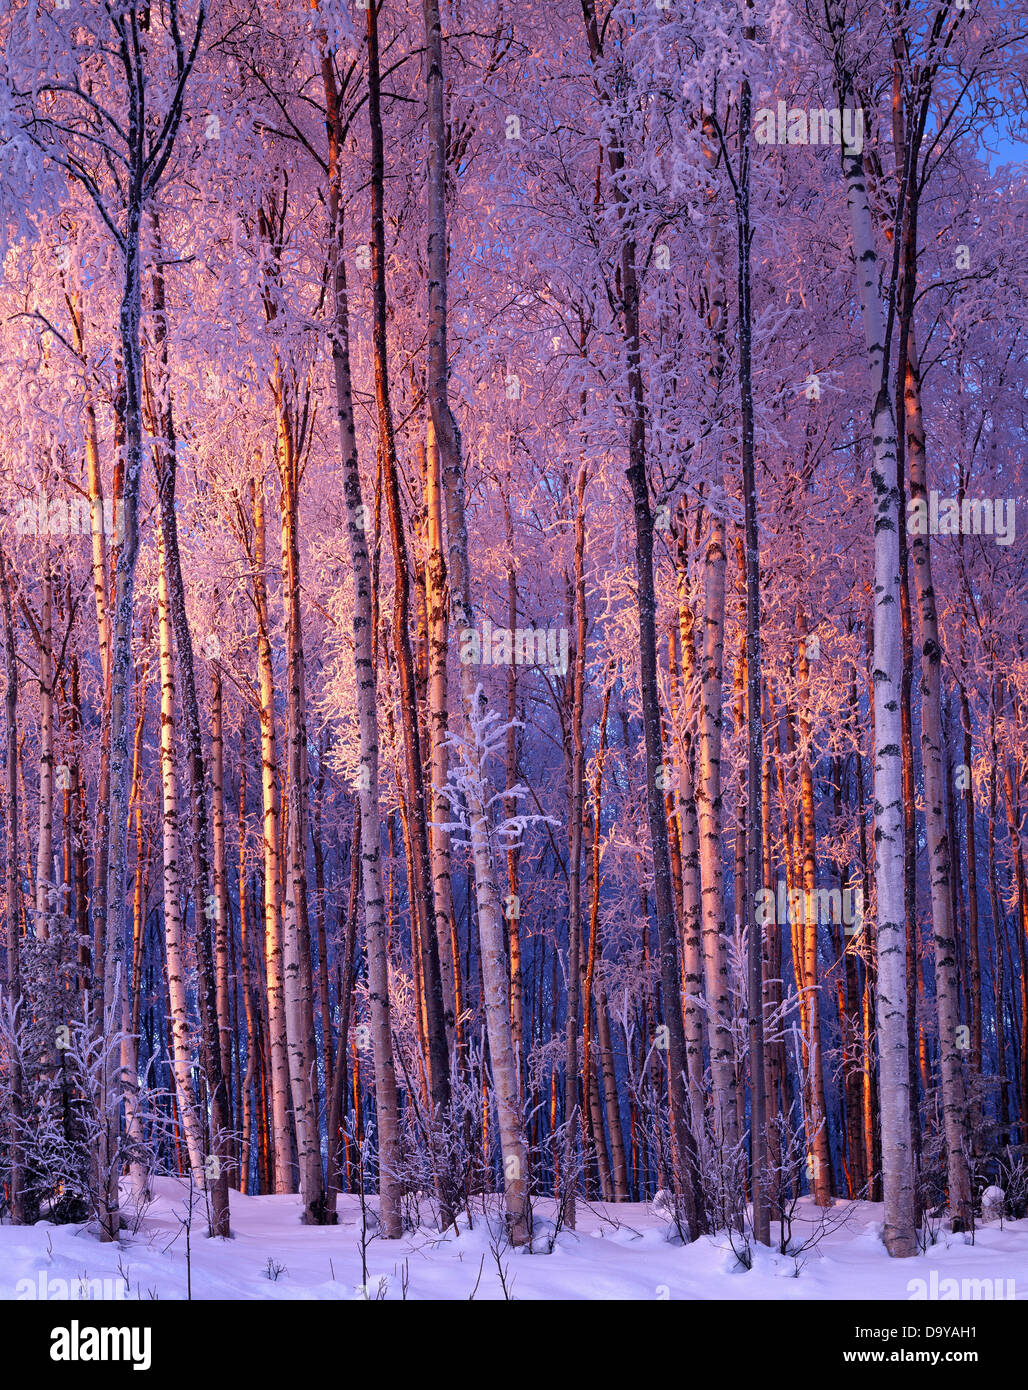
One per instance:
(490,923)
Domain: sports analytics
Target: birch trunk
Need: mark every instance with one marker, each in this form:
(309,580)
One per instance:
(109,924)
(13,886)
(618,1168)
(940,865)
(897,1170)
(754,712)
(490,923)
(436,1024)
(165,467)
(221,922)
(174,937)
(709,817)
(147,157)
(972,889)
(318,846)
(386,1100)
(95,491)
(45,842)
(631,334)
(724,1109)
(692,912)
(576,811)
(273,945)
(513,915)
(298,985)
(819,1154)
(333,1169)
(439,838)
(251,1076)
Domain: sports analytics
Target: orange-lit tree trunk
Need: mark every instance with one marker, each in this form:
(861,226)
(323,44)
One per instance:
(16,1197)
(273,946)
(436,1023)
(296,953)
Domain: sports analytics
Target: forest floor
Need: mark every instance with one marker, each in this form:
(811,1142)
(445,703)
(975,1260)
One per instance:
(617,1252)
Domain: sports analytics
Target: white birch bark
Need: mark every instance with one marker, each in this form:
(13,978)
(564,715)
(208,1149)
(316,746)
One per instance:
(513,1143)
(887,663)
(44,847)
(221,919)
(375,933)
(94,486)
(438,724)
(273,944)
(174,944)
(692,912)
(708,805)
(940,866)
(297,985)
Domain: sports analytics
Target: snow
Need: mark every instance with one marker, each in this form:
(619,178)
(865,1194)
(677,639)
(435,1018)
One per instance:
(619,1251)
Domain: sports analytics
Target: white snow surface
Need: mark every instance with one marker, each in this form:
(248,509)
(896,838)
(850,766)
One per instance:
(619,1251)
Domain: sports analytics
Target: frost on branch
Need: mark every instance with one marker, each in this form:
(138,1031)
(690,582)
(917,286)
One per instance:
(468,774)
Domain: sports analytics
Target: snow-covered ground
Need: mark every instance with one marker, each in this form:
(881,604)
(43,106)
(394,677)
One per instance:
(617,1252)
